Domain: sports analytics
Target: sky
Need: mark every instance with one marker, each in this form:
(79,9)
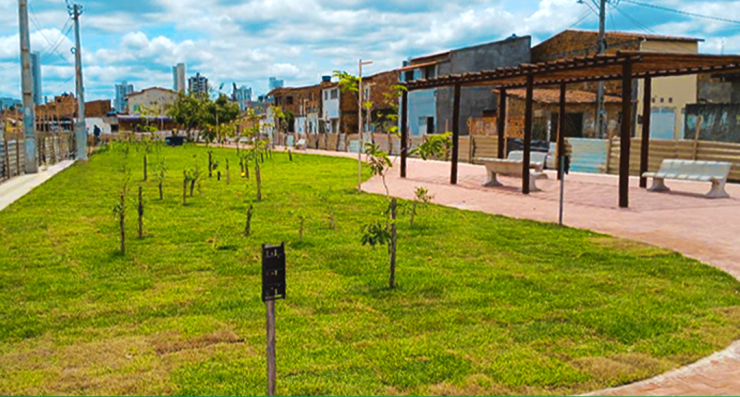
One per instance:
(248,41)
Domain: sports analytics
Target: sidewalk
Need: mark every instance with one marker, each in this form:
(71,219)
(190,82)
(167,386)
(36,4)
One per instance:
(16,188)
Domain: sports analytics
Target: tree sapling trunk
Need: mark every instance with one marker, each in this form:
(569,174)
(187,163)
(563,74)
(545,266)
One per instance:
(218,175)
(228,173)
(184,187)
(248,226)
(290,155)
(122,223)
(393,243)
(258,176)
(210,165)
(141,214)
(146,161)
(161,191)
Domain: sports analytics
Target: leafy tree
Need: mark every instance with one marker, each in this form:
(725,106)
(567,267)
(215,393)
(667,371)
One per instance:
(189,112)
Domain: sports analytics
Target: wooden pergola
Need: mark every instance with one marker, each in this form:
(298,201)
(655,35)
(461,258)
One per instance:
(625,66)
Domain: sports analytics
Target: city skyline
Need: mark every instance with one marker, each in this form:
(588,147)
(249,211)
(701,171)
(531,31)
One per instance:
(141,42)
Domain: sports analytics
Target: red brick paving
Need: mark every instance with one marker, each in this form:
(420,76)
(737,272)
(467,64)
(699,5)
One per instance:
(707,230)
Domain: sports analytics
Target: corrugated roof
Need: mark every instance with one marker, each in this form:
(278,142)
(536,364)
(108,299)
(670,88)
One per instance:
(552,96)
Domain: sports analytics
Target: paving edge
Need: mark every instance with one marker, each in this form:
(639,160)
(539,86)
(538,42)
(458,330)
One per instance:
(731,353)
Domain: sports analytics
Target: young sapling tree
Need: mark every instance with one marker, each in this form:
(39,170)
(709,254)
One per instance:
(421,198)
(161,175)
(248,226)
(140,211)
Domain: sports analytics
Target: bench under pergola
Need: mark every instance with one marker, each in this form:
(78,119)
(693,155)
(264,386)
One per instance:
(625,66)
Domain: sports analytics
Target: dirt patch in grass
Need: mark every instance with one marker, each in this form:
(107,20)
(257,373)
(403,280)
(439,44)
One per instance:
(630,246)
(138,365)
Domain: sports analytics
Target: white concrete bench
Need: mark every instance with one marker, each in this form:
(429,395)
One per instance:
(537,160)
(510,168)
(687,170)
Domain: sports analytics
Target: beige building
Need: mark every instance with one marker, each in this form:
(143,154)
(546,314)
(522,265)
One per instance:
(670,94)
(151,101)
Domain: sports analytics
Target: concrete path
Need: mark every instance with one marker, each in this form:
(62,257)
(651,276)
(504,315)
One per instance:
(16,188)
(684,221)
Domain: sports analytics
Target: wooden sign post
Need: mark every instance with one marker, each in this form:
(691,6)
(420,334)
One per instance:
(273,288)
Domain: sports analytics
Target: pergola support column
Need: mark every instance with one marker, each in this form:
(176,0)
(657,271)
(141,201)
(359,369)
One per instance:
(561,131)
(502,123)
(404,131)
(646,115)
(529,109)
(455,133)
(626,136)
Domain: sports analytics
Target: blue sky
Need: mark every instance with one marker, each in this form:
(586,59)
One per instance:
(300,40)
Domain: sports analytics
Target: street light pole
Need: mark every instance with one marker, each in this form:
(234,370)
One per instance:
(360,96)
(75,11)
(602,49)
(29,118)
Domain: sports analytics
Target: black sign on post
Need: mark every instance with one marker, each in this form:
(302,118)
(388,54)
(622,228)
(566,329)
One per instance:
(273,272)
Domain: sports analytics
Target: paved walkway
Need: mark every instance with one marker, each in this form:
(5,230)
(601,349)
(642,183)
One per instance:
(16,188)
(683,221)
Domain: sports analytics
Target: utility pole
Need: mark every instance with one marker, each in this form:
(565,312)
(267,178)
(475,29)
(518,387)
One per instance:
(75,11)
(29,117)
(602,50)
(360,96)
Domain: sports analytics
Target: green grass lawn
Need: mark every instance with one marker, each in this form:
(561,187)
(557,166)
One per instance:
(485,304)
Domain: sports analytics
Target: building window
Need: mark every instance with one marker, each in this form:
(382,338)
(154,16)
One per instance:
(289,100)
(670,100)
(326,95)
(409,76)
(334,93)
(430,72)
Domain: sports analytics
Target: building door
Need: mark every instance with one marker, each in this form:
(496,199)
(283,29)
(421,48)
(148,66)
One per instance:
(573,126)
(663,124)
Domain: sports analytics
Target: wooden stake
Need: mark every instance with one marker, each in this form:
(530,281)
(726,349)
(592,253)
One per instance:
(271,367)
(394,204)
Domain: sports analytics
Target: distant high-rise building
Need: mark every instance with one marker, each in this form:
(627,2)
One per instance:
(178,77)
(198,84)
(7,103)
(275,83)
(122,91)
(243,96)
(38,89)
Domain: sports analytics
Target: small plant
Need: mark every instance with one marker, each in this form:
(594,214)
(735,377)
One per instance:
(228,173)
(376,233)
(119,211)
(436,146)
(421,198)
(194,177)
(210,164)
(161,175)
(248,226)
(214,167)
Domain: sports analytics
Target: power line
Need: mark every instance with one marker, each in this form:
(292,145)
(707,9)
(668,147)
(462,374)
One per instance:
(639,25)
(685,13)
(581,19)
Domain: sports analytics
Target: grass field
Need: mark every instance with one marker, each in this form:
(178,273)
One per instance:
(485,304)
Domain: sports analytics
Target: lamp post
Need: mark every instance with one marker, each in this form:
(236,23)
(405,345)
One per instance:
(360,96)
